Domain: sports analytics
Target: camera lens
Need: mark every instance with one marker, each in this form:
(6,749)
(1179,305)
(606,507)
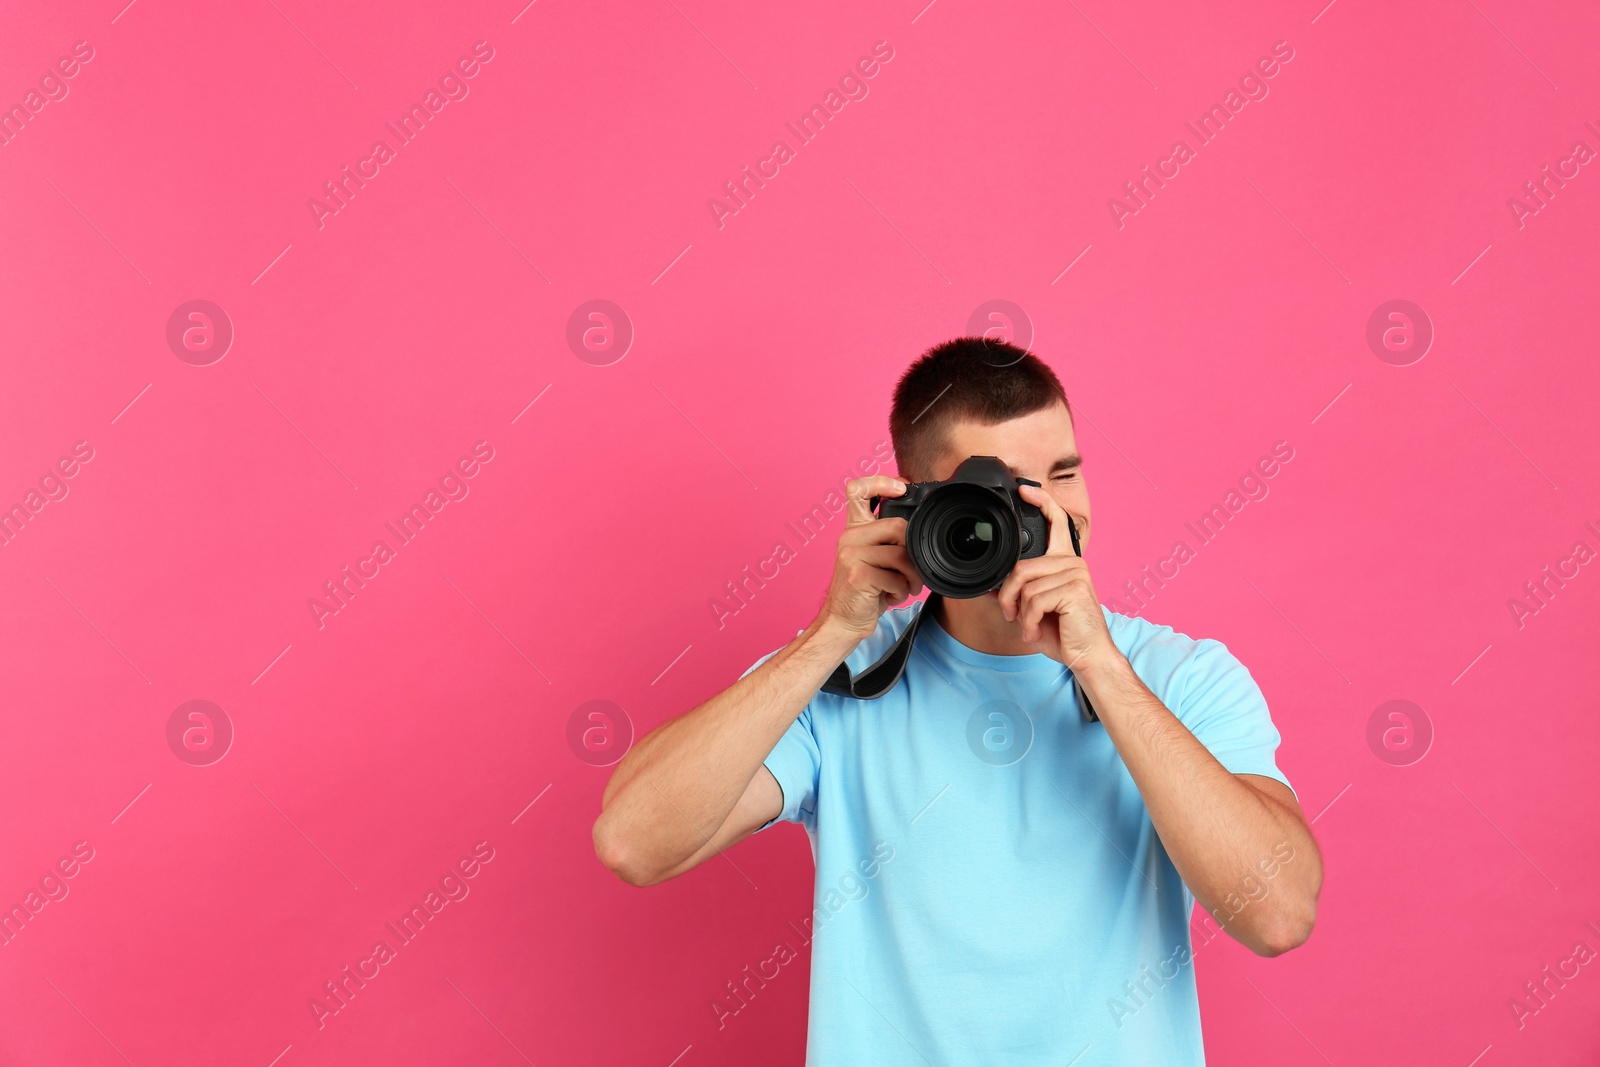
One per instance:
(969,537)
(964,540)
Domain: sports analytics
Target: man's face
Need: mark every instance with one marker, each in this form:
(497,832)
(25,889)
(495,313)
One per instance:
(1040,446)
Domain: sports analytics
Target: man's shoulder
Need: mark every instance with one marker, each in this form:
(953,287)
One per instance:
(1157,649)
(1140,632)
(1190,674)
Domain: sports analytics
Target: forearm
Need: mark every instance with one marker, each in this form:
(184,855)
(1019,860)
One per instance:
(676,787)
(1220,832)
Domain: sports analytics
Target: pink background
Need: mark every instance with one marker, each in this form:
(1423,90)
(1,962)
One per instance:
(370,354)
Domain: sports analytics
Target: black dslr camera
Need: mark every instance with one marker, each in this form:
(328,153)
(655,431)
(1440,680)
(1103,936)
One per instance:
(965,535)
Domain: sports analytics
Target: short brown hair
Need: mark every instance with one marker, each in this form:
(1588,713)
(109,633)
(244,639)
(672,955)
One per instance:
(968,378)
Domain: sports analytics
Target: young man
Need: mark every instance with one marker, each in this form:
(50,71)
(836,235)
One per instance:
(1000,878)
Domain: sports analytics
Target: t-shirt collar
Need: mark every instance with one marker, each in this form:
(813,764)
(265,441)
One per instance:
(938,637)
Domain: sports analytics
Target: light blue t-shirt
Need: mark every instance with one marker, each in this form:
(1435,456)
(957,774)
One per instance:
(990,889)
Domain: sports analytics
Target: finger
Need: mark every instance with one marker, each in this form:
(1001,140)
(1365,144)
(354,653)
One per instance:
(1010,591)
(1060,543)
(895,589)
(1072,597)
(874,532)
(859,492)
(880,580)
(1026,571)
(893,558)
(1039,597)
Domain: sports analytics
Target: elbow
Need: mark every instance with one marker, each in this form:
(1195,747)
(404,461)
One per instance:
(1286,931)
(1288,925)
(617,854)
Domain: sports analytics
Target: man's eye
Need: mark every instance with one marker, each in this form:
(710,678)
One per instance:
(1066,477)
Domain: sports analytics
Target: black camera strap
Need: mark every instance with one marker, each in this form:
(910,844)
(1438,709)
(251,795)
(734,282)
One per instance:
(881,677)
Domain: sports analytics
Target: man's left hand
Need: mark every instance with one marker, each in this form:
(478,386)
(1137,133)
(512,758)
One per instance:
(1052,597)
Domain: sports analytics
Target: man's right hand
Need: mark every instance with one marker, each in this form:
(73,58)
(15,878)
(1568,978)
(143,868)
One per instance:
(873,570)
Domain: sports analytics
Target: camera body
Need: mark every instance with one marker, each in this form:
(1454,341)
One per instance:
(966,534)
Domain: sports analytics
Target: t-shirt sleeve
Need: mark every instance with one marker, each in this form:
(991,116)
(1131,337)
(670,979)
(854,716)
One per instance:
(795,761)
(1223,707)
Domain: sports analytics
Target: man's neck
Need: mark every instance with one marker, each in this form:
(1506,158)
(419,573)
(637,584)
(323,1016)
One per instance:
(978,624)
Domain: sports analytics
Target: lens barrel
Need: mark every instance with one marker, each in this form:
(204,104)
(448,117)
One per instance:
(964,539)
